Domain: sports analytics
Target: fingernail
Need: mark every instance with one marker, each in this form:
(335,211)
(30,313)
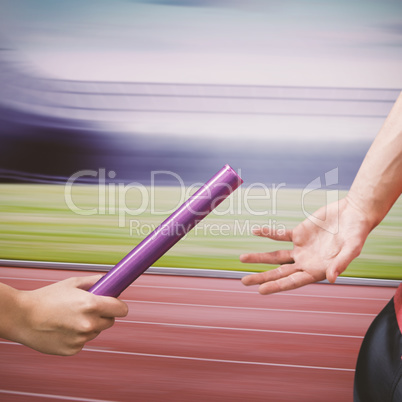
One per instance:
(243,257)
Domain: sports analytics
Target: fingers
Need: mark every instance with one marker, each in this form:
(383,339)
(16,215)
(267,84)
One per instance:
(280,235)
(107,306)
(111,307)
(293,281)
(100,325)
(273,275)
(286,277)
(87,334)
(97,312)
(273,257)
(89,328)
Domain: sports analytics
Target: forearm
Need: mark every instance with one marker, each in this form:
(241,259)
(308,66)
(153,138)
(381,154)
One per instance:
(378,183)
(10,312)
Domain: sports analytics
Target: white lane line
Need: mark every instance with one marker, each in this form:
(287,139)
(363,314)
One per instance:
(250,308)
(51,396)
(217,290)
(202,359)
(29,279)
(239,329)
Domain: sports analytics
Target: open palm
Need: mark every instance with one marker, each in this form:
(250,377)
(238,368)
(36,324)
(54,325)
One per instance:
(323,247)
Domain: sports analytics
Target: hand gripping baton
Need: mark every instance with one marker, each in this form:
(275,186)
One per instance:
(168,233)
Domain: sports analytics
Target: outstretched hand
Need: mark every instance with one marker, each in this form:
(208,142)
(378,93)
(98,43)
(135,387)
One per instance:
(323,247)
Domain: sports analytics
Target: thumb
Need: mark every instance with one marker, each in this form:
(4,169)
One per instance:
(339,265)
(85,282)
(332,274)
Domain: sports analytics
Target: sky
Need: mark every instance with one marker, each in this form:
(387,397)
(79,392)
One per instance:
(339,43)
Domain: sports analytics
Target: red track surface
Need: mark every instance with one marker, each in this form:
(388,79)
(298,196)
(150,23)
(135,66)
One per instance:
(198,339)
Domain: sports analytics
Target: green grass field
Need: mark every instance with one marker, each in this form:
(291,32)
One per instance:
(36,223)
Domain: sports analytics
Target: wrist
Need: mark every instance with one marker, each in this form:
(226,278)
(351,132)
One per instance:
(11,313)
(369,214)
(23,317)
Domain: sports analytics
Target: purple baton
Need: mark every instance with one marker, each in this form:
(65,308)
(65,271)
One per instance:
(168,233)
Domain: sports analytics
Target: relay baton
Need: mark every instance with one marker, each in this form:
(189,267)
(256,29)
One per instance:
(168,233)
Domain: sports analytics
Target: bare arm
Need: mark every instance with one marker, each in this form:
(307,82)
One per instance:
(59,318)
(321,252)
(378,183)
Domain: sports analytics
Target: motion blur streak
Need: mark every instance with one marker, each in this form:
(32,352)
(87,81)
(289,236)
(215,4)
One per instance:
(55,127)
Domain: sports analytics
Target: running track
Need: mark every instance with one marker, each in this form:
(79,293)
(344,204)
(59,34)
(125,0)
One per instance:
(202,339)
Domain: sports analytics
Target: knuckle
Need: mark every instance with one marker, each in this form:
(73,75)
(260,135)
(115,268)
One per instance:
(281,286)
(279,272)
(297,237)
(74,350)
(73,279)
(259,257)
(275,254)
(90,303)
(85,326)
